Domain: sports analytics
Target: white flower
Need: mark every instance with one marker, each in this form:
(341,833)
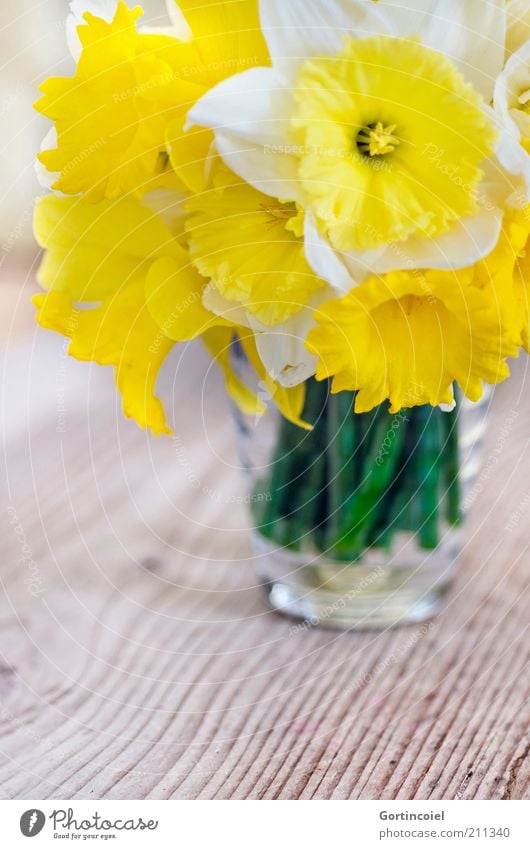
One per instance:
(517,24)
(252,112)
(512,106)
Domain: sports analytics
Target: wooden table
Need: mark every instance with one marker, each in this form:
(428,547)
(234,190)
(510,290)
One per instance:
(138,659)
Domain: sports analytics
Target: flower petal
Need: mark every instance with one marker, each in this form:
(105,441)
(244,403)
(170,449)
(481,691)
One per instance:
(119,332)
(511,114)
(518,24)
(471,33)
(284,355)
(173,290)
(93,248)
(297,29)
(468,241)
(178,20)
(232,312)
(47,178)
(282,348)
(250,114)
(105,9)
(289,401)
(219,341)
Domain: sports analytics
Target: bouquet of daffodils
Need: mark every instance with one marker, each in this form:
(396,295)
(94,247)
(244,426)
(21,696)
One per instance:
(340,185)
(335,193)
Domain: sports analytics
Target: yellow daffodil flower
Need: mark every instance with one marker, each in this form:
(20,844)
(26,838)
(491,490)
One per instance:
(408,336)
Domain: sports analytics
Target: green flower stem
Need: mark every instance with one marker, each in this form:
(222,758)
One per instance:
(452,468)
(357,479)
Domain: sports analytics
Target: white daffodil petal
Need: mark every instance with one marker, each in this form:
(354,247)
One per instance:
(325,261)
(250,114)
(468,241)
(47,178)
(512,91)
(282,348)
(471,33)
(517,24)
(269,171)
(297,29)
(512,87)
(283,353)
(514,158)
(105,9)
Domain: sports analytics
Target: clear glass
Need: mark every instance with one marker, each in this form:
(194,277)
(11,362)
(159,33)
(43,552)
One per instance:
(342,540)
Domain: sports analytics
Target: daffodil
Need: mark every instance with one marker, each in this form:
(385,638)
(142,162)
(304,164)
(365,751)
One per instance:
(299,129)
(512,98)
(374,118)
(122,288)
(504,276)
(251,247)
(290,401)
(407,337)
(517,24)
(118,121)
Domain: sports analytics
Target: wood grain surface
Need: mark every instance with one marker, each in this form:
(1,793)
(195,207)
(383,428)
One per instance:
(138,659)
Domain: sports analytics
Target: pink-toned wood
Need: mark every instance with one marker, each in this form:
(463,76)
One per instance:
(139,661)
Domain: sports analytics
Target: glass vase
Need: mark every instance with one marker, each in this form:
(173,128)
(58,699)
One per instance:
(357,523)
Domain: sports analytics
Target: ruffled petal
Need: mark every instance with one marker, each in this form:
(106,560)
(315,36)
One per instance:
(174,292)
(91,249)
(119,332)
(228,36)
(105,9)
(408,337)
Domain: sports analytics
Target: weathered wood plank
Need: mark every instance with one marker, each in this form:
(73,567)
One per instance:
(138,660)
